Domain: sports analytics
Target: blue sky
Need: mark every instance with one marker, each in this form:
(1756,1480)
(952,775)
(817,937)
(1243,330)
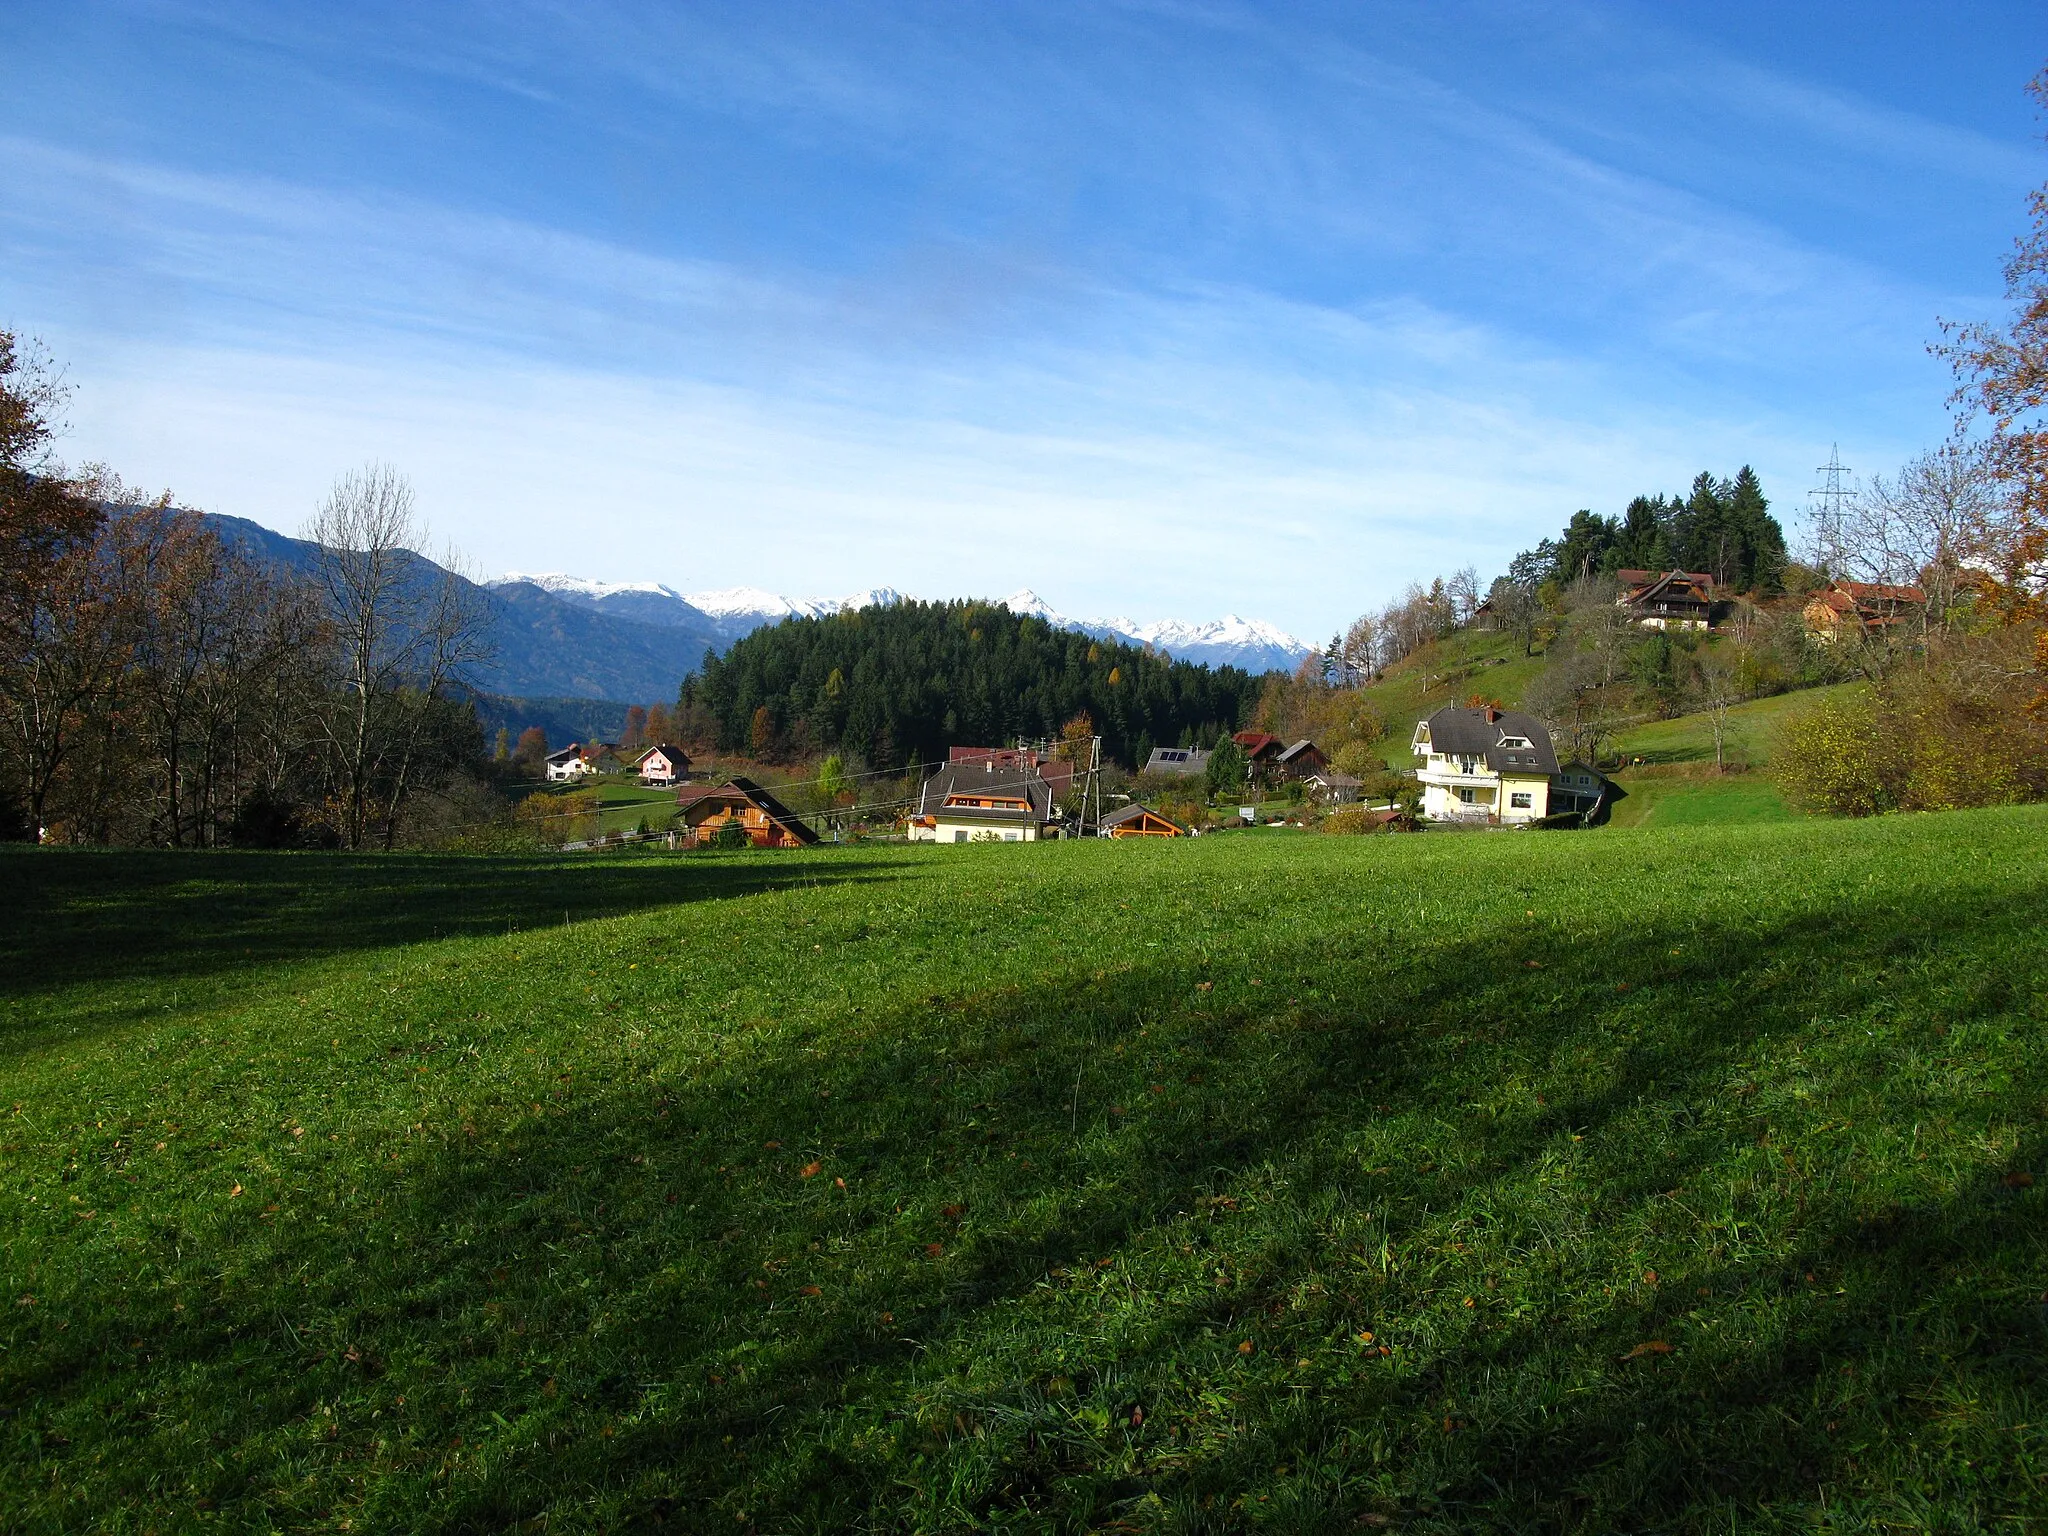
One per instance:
(1160,308)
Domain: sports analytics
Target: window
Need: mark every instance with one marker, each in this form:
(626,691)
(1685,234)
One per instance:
(1518,742)
(960,836)
(1009,837)
(1522,802)
(1469,796)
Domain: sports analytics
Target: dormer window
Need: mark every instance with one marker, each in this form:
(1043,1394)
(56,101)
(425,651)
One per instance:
(1516,742)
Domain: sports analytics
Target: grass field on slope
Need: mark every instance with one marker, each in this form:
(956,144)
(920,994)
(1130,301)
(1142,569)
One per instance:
(1577,1182)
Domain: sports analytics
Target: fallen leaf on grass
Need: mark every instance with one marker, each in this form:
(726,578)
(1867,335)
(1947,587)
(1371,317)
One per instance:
(1205,986)
(933,1250)
(954,1212)
(812,1170)
(2019,1181)
(809,1290)
(234,1192)
(1651,1347)
(1245,1348)
(772,1146)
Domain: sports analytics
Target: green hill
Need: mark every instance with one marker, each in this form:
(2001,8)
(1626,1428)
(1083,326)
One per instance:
(1295,1184)
(1449,671)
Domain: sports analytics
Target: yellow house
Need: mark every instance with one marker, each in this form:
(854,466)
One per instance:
(1486,765)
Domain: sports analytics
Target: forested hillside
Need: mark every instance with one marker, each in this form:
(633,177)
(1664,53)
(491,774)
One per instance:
(902,683)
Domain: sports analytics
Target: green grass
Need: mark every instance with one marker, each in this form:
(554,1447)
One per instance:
(1733,800)
(1046,1188)
(1750,733)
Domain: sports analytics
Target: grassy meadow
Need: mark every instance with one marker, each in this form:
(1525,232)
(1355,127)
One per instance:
(1538,1182)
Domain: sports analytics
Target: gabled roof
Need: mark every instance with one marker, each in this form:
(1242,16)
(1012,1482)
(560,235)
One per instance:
(1676,586)
(1300,748)
(1335,778)
(667,749)
(1137,812)
(1256,744)
(574,749)
(1181,760)
(1460,732)
(985,778)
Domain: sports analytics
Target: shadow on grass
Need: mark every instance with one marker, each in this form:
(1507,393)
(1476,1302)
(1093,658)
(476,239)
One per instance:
(77,915)
(604,1313)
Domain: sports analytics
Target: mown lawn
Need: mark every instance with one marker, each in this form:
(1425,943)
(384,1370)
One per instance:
(1707,801)
(1579,1182)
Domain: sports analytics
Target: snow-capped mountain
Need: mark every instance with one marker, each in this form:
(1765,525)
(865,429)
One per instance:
(1228,641)
(731,612)
(751,603)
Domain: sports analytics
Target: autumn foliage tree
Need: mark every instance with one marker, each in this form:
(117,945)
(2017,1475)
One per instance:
(2002,382)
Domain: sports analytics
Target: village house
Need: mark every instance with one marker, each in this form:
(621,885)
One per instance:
(708,809)
(1260,748)
(1848,608)
(663,764)
(1177,762)
(1302,760)
(1334,787)
(566,765)
(1668,599)
(994,795)
(1135,820)
(1485,765)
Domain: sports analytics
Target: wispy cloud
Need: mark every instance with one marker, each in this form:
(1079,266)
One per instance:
(946,307)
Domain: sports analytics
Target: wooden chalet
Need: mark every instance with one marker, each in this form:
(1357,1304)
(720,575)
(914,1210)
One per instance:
(663,764)
(1304,759)
(1140,821)
(1668,599)
(708,809)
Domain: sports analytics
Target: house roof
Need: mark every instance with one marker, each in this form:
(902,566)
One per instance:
(1257,743)
(574,749)
(1878,592)
(1673,586)
(1462,732)
(989,777)
(1180,760)
(669,750)
(1299,749)
(1335,778)
(1136,812)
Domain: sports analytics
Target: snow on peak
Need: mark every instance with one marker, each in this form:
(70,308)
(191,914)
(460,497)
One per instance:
(745,602)
(580,586)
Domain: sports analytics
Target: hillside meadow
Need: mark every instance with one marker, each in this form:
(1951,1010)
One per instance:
(1527,1181)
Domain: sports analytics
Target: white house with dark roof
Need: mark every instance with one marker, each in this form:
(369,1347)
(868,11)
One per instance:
(984,800)
(1484,765)
(568,764)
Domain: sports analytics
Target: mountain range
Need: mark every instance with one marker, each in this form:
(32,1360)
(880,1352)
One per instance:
(735,611)
(561,644)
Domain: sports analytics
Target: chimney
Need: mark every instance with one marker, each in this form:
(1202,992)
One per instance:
(1492,714)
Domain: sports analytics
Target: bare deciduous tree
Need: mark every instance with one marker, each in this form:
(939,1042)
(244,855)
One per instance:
(1928,527)
(402,633)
